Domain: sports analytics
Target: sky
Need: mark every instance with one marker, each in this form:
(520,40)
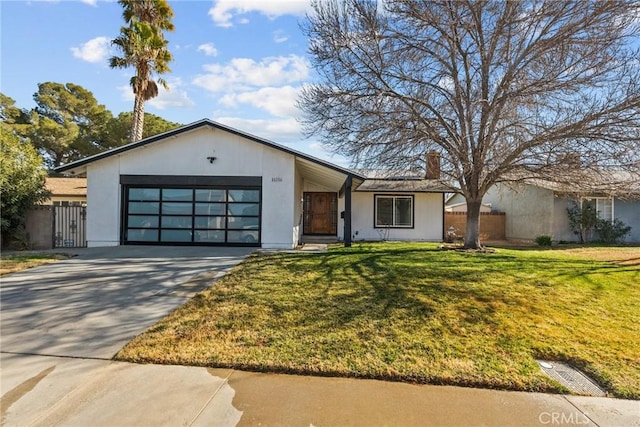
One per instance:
(237,62)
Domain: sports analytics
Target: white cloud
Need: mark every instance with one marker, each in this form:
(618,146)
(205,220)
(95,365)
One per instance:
(284,130)
(208,48)
(175,97)
(278,101)
(223,11)
(246,72)
(280,36)
(95,50)
(90,2)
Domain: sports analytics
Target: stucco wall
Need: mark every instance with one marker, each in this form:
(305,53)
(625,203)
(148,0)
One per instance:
(428,219)
(186,154)
(628,211)
(103,203)
(561,228)
(529,210)
(278,186)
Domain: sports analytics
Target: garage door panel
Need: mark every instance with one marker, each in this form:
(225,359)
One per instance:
(210,222)
(177,194)
(211,195)
(175,235)
(210,208)
(143,221)
(210,236)
(143,235)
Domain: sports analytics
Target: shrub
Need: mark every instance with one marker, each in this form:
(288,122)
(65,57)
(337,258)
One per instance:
(582,220)
(543,240)
(612,232)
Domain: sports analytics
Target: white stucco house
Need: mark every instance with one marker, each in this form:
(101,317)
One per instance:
(209,184)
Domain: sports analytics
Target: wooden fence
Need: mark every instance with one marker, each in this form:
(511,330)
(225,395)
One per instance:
(492,224)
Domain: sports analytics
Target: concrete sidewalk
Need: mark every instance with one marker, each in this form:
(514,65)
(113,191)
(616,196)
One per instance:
(77,392)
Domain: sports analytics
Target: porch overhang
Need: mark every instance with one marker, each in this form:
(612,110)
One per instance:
(332,177)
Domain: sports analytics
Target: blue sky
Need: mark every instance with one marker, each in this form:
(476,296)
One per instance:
(239,62)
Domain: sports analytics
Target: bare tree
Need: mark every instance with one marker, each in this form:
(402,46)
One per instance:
(504,90)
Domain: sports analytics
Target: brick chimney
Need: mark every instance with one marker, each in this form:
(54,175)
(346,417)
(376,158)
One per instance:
(433,165)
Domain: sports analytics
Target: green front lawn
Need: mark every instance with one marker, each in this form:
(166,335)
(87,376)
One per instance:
(412,312)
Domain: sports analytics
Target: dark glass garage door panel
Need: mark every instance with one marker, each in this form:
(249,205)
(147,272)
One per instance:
(177,221)
(244,195)
(143,221)
(177,194)
(247,209)
(245,236)
(175,235)
(243,222)
(177,208)
(211,222)
(144,194)
(144,207)
(142,235)
(211,195)
(210,236)
(210,208)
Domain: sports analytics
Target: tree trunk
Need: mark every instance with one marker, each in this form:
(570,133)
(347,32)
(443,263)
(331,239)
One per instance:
(472,236)
(138,118)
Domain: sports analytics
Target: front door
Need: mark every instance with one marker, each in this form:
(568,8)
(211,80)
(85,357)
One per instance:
(320,213)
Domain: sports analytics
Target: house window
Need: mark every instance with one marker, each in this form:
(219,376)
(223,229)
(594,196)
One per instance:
(393,211)
(602,205)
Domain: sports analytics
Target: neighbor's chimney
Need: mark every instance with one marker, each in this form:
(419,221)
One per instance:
(433,165)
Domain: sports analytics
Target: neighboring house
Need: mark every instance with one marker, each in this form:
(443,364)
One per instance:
(209,184)
(536,208)
(67,191)
(60,220)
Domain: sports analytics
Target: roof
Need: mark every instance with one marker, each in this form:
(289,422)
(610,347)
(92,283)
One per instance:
(195,125)
(67,186)
(608,182)
(404,186)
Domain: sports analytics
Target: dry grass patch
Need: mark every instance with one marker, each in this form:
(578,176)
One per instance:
(18,262)
(411,312)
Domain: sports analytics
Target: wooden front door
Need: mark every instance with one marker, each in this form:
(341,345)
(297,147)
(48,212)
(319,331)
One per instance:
(320,213)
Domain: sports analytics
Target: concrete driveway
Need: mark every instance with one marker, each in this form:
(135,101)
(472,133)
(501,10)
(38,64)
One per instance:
(91,305)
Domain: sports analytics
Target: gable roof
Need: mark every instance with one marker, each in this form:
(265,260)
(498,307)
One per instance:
(67,186)
(605,182)
(404,186)
(196,125)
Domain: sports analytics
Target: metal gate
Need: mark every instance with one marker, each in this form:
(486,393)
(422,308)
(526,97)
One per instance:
(69,226)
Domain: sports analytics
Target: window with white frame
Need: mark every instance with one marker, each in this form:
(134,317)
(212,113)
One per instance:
(393,211)
(602,205)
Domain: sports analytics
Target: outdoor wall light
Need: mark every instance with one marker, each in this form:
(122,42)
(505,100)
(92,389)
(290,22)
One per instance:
(211,159)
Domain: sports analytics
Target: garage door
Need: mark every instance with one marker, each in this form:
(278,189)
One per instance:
(209,213)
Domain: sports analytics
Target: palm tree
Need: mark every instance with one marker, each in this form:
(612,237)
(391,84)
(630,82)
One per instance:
(144,47)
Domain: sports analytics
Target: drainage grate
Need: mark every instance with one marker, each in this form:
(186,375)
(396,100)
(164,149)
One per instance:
(571,378)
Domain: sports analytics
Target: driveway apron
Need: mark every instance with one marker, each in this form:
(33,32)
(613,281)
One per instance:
(91,305)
